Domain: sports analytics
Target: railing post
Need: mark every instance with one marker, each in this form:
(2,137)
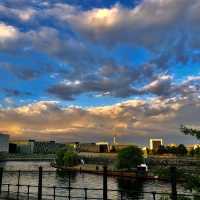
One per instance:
(121,195)
(154,195)
(173,183)
(69,186)
(8,190)
(85,189)
(105,184)
(18,183)
(1,178)
(28,192)
(40,184)
(69,192)
(54,192)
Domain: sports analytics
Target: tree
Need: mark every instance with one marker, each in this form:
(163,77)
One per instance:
(181,150)
(129,157)
(161,150)
(70,158)
(59,156)
(190,131)
(66,156)
(195,152)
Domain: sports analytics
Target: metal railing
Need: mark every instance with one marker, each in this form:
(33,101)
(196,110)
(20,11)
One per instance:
(19,191)
(120,194)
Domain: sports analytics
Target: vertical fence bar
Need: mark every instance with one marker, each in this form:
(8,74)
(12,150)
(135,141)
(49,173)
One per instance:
(54,192)
(154,195)
(85,189)
(18,183)
(173,183)
(69,185)
(8,190)
(40,184)
(69,193)
(28,191)
(1,178)
(105,183)
(121,195)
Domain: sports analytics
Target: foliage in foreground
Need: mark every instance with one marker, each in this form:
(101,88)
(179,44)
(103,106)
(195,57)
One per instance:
(129,157)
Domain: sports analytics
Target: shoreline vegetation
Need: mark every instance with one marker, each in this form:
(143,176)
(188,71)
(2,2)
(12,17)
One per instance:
(107,158)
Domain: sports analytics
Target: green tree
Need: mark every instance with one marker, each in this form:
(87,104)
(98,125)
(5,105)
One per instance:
(70,158)
(190,131)
(129,157)
(181,150)
(59,156)
(62,155)
(195,152)
(161,150)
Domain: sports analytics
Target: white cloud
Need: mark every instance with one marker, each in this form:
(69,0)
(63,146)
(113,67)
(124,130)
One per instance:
(7,32)
(132,119)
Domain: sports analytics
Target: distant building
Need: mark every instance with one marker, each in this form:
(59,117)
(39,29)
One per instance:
(22,147)
(172,145)
(154,144)
(37,147)
(103,147)
(192,146)
(12,148)
(4,142)
(88,147)
(99,147)
(118,147)
(46,147)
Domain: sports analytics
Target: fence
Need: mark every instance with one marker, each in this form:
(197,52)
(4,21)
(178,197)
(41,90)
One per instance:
(14,191)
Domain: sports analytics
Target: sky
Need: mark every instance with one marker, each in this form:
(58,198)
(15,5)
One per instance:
(86,70)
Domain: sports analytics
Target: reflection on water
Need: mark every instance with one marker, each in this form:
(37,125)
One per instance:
(78,180)
(132,188)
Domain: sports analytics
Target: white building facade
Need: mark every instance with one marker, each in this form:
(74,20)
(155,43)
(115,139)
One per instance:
(4,143)
(155,143)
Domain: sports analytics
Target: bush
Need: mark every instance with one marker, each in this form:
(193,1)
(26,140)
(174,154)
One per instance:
(129,157)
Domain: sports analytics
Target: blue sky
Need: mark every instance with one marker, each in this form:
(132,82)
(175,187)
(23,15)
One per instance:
(91,56)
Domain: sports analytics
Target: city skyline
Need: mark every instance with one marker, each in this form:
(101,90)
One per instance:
(89,70)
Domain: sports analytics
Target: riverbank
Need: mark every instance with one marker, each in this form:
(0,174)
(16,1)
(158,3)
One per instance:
(27,157)
(107,159)
(99,170)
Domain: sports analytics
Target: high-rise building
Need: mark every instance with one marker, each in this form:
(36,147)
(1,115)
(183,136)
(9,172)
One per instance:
(4,142)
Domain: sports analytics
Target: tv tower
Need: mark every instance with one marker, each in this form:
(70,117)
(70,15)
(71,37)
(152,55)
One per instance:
(114,139)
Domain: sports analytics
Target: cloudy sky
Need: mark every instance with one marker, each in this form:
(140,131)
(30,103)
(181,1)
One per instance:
(85,70)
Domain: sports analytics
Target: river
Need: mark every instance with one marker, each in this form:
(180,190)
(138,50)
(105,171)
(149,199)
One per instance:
(53,178)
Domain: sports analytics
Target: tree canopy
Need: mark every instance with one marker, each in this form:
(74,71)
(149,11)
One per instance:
(129,157)
(190,131)
(67,157)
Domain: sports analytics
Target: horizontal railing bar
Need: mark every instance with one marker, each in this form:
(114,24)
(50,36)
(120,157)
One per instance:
(97,189)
